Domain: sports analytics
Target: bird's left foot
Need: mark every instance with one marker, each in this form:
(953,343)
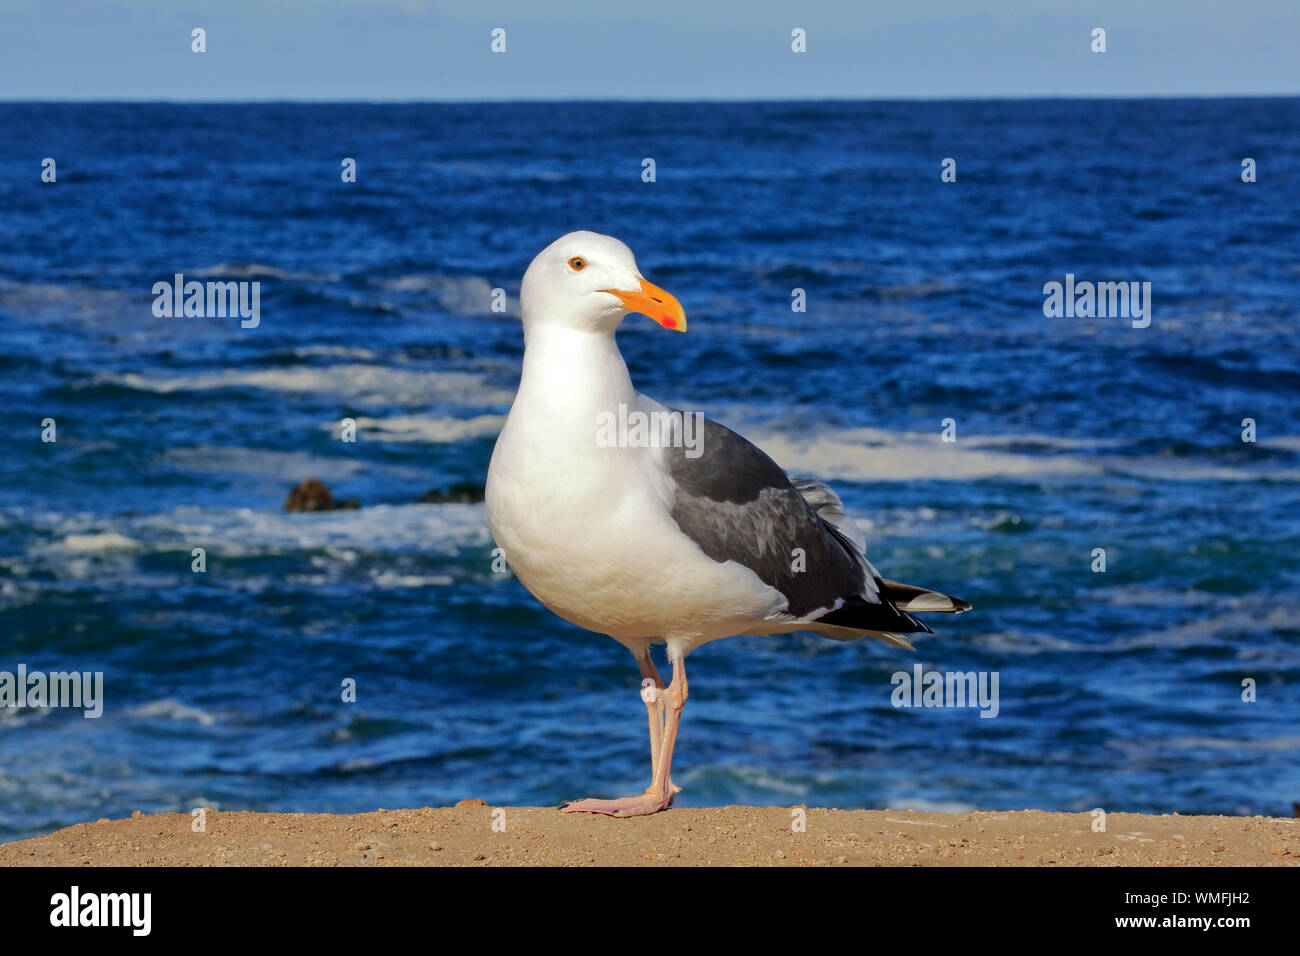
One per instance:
(652,801)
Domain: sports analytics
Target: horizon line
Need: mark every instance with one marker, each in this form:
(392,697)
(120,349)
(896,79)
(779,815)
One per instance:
(414,101)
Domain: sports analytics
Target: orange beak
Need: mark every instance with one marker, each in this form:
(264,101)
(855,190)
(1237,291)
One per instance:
(655,302)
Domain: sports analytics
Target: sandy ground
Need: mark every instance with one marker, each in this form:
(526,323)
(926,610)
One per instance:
(464,835)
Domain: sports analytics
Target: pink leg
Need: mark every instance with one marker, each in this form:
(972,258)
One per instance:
(675,699)
(652,693)
(663,735)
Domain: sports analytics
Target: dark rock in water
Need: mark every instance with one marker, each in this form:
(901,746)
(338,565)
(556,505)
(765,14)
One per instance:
(314,495)
(460,492)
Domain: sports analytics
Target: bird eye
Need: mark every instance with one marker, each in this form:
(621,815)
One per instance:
(577,263)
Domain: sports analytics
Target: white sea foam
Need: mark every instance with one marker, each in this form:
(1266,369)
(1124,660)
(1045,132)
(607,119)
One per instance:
(257,270)
(42,300)
(1018,642)
(387,580)
(282,468)
(342,536)
(1164,468)
(503,171)
(753,778)
(1286,743)
(277,471)
(1135,595)
(869,454)
(360,382)
(872,454)
(1162,746)
(416,529)
(1289,442)
(334,351)
(173,709)
(433,429)
(99,542)
(922,805)
(459,295)
(1242,617)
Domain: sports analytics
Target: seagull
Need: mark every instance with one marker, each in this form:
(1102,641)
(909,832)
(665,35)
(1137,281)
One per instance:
(648,524)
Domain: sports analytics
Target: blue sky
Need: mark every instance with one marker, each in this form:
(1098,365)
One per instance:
(669,49)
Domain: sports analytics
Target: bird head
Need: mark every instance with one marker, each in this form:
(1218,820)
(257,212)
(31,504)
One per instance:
(588,281)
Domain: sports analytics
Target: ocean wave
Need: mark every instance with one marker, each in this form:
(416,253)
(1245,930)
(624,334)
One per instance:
(256,270)
(415,529)
(333,351)
(360,382)
(872,455)
(16,717)
(282,467)
(99,542)
(1244,616)
(1286,743)
(171,709)
(869,454)
(435,430)
(1162,747)
(387,580)
(504,170)
(459,295)
(729,779)
(1144,595)
(46,300)
(923,805)
(1022,643)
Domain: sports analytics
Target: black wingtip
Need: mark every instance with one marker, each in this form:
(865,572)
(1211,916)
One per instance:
(863,615)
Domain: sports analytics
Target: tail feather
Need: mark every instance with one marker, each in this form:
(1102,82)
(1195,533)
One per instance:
(883,616)
(836,633)
(884,608)
(908,597)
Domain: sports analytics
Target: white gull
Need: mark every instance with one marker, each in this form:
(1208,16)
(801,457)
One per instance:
(680,533)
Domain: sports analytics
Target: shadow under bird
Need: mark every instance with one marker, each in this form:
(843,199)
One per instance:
(665,540)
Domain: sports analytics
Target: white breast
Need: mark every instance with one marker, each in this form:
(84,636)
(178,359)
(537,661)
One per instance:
(588,529)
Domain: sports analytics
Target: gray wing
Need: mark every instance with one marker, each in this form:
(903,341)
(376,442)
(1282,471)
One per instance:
(737,504)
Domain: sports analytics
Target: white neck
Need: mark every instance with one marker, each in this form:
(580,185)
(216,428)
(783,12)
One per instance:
(573,373)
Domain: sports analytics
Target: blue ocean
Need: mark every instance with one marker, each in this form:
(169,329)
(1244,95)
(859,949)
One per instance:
(989,450)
